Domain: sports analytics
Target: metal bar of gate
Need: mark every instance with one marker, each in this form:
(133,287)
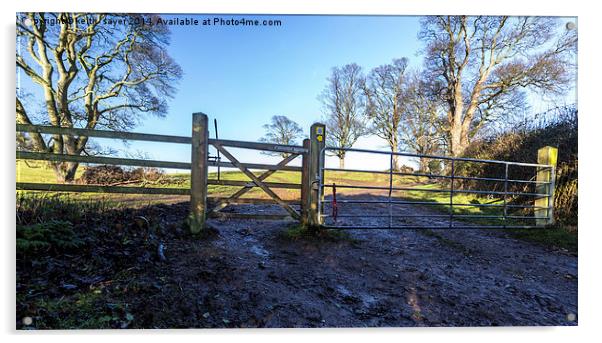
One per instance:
(390,190)
(426,203)
(451,195)
(465,191)
(457,177)
(505,194)
(449,158)
(452,191)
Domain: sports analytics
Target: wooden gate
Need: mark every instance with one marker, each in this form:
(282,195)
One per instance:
(201,206)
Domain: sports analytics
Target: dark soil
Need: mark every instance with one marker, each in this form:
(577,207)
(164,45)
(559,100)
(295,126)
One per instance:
(249,273)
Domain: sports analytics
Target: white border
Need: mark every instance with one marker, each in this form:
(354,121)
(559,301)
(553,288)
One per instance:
(590,114)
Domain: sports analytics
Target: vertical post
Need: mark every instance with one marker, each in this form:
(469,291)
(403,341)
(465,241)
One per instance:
(198,172)
(317,138)
(305,184)
(505,194)
(391,191)
(451,193)
(545,185)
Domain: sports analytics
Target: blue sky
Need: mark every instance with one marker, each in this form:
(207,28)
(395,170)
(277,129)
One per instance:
(244,75)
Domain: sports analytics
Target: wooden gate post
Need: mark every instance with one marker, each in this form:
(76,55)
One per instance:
(317,138)
(198,172)
(546,155)
(305,185)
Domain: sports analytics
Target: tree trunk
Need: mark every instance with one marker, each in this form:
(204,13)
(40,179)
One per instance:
(423,165)
(65,171)
(458,140)
(394,149)
(341,162)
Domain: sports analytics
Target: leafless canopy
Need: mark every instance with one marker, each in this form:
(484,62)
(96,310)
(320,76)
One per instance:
(480,65)
(93,71)
(282,130)
(385,91)
(344,102)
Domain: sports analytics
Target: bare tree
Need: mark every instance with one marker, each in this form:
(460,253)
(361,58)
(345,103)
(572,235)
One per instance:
(282,130)
(385,90)
(420,132)
(344,104)
(481,64)
(92,71)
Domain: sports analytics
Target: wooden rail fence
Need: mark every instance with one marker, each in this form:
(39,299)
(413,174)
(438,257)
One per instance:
(312,185)
(198,166)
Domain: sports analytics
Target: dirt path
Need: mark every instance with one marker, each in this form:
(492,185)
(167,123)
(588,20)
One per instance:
(251,274)
(384,278)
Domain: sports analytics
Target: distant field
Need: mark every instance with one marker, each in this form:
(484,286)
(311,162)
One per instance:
(39,172)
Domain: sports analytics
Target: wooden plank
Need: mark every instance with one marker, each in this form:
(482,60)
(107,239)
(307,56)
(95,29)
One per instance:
(30,155)
(262,177)
(258,182)
(103,133)
(255,166)
(249,201)
(294,149)
(249,216)
(252,184)
(43,156)
(55,187)
(198,173)
(305,185)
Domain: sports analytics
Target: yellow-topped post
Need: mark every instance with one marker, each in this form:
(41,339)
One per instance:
(317,142)
(546,183)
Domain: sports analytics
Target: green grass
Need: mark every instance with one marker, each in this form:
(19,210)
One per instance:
(555,236)
(36,171)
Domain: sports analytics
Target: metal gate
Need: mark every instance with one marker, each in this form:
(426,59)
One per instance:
(459,196)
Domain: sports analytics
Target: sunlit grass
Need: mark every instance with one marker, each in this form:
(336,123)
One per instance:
(39,172)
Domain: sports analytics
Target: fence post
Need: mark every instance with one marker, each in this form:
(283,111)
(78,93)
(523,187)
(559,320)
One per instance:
(546,155)
(198,172)
(317,138)
(305,185)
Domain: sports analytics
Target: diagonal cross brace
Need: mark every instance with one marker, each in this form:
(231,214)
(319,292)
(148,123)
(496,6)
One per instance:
(257,181)
(246,189)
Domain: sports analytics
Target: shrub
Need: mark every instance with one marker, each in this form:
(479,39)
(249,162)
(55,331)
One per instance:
(54,236)
(106,175)
(558,129)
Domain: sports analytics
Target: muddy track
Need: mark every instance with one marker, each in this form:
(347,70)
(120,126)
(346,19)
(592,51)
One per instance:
(396,278)
(251,274)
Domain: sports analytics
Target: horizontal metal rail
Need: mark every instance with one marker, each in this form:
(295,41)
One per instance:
(429,216)
(433,175)
(448,158)
(52,187)
(434,190)
(416,227)
(434,203)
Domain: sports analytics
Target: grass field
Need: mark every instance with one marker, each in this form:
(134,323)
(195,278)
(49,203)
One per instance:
(39,172)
